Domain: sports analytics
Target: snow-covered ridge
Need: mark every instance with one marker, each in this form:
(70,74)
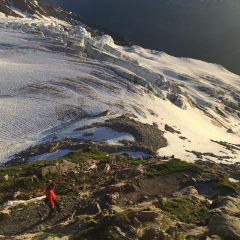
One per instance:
(55,77)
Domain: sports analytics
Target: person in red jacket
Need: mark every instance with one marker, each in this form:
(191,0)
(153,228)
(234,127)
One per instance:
(51,199)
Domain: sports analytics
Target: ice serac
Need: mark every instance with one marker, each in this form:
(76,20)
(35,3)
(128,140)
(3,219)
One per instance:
(59,79)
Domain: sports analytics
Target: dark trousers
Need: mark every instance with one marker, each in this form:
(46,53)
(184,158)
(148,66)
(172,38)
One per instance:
(52,210)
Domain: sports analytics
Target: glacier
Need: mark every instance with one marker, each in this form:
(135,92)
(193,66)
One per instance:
(56,78)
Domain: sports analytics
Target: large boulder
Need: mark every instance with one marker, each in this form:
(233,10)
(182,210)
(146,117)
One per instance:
(224,220)
(57,168)
(226,226)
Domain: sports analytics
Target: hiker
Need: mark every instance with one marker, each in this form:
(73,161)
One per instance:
(51,198)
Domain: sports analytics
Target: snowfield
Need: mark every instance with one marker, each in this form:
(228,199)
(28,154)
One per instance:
(56,78)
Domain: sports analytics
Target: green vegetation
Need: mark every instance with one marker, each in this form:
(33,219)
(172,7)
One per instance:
(187,210)
(225,185)
(80,156)
(170,167)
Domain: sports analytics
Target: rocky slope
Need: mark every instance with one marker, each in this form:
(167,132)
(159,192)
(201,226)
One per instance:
(116,197)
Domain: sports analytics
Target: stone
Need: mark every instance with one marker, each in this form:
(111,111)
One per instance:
(4,214)
(120,187)
(153,234)
(225,226)
(178,100)
(90,209)
(213,237)
(147,216)
(109,199)
(171,129)
(105,113)
(6,177)
(112,198)
(189,191)
(58,168)
(229,205)
(230,131)
(16,194)
(116,209)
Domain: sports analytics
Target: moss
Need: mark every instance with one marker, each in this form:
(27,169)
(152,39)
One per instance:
(226,185)
(83,155)
(170,167)
(187,210)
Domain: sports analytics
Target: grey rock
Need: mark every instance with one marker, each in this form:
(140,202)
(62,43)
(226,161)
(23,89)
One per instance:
(226,226)
(58,168)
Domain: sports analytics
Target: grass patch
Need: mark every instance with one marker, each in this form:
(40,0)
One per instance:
(187,210)
(80,156)
(170,167)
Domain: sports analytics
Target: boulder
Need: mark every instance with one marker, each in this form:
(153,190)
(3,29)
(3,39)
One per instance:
(153,234)
(171,129)
(57,168)
(90,209)
(178,100)
(226,226)
(5,214)
(144,215)
(229,205)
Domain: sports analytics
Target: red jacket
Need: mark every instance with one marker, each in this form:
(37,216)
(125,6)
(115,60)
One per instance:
(51,197)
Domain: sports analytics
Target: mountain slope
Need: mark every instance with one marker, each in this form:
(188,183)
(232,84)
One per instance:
(62,83)
(21,8)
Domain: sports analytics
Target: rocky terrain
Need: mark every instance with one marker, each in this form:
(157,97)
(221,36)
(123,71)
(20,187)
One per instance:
(106,196)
